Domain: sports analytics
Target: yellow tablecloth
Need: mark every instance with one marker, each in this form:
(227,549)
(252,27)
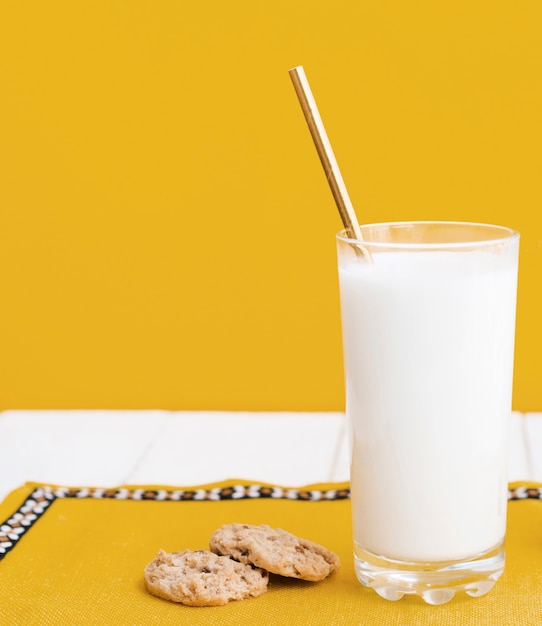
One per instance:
(76,556)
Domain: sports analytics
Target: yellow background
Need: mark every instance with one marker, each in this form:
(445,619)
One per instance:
(166,230)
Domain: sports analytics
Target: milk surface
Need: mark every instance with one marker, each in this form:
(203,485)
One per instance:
(428,344)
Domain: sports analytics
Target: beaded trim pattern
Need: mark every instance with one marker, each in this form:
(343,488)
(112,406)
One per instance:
(40,500)
(37,503)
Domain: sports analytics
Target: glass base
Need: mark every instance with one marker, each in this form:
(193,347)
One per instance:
(435,583)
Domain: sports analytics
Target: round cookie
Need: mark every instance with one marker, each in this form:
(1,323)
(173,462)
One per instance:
(201,578)
(274,550)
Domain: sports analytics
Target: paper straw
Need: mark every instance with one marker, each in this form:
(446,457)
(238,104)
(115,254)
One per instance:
(325,152)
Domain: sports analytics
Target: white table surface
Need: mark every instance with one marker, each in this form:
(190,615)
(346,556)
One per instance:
(110,448)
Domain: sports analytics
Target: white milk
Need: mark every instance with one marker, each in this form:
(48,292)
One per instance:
(429,356)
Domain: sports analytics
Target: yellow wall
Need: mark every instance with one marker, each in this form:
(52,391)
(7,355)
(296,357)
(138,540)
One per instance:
(166,231)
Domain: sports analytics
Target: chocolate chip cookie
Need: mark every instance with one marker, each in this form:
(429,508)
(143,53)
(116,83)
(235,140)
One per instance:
(274,550)
(202,578)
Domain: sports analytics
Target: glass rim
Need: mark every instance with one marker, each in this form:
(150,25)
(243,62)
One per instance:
(503,234)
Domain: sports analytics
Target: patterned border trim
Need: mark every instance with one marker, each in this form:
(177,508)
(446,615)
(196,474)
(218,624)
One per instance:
(24,518)
(41,499)
(525,493)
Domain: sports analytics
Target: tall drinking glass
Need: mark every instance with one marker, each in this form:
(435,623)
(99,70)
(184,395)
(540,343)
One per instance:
(428,319)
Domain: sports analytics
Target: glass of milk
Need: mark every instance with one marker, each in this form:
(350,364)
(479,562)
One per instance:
(428,319)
